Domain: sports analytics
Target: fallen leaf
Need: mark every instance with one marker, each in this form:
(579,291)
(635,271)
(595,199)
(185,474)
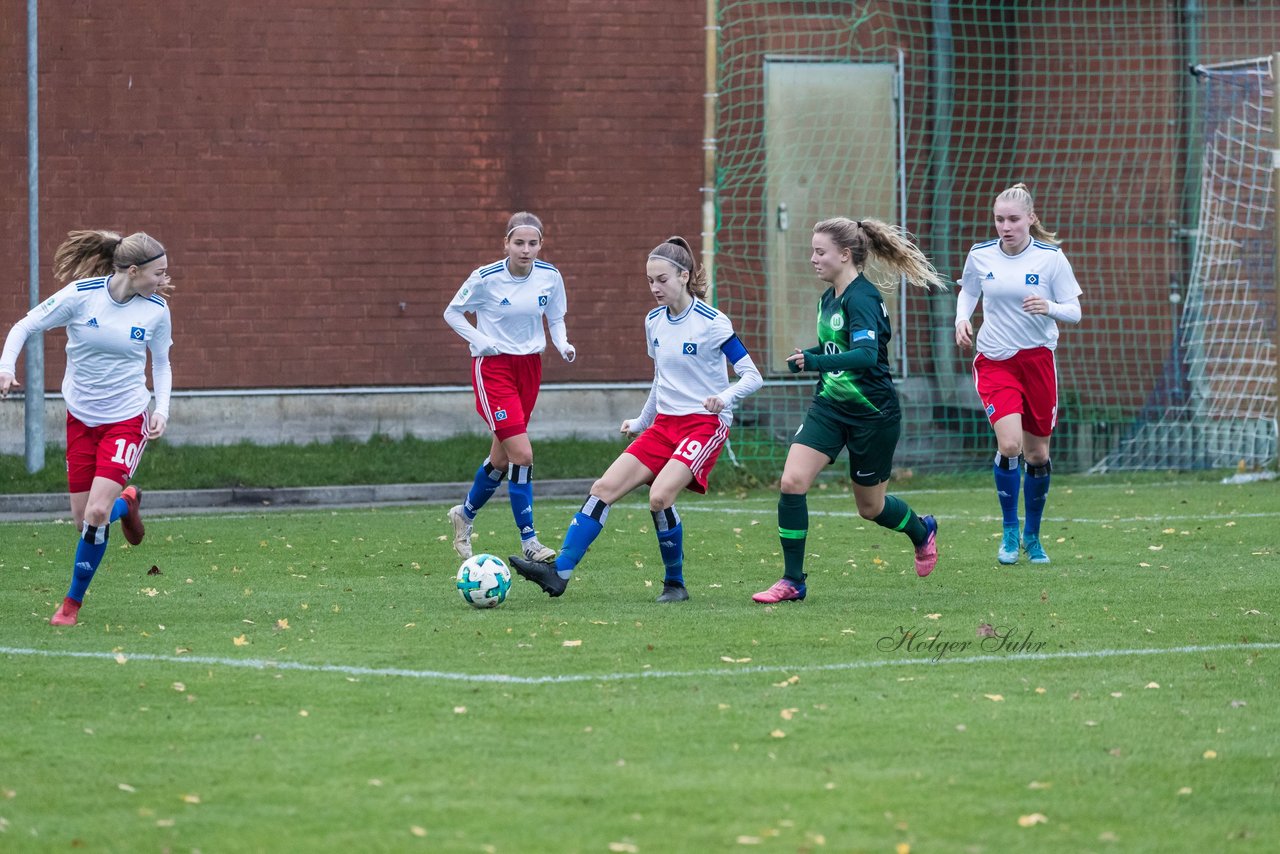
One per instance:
(572,643)
(414,829)
(624,847)
(1155,548)
(933,616)
(120,658)
(1036,784)
(749,840)
(995,698)
(788,714)
(1152,685)
(191,799)
(1185,790)
(1235,704)
(902,848)
(125,787)
(1039,690)
(986,631)
(240,641)
(777,733)
(303,713)
(282,623)
(179,687)
(1211,754)
(459,710)
(1032,820)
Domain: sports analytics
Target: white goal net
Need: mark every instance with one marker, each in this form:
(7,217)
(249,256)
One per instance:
(1215,404)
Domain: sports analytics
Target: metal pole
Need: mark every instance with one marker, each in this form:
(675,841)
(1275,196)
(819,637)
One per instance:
(34,397)
(709,151)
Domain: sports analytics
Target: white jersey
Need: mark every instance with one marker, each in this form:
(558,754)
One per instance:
(508,310)
(1002,281)
(107,344)
(689,354)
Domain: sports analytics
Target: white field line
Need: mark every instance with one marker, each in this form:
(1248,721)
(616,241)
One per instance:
(446,676)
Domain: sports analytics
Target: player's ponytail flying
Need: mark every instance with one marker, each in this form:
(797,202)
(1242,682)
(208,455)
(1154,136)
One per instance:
(890,245)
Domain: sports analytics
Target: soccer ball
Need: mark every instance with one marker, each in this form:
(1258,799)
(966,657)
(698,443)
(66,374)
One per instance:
(483,581)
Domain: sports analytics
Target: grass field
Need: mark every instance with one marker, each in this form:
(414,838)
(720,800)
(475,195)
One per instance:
(311,681)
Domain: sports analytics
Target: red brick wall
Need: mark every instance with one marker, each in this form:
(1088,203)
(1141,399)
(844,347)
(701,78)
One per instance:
(325,177)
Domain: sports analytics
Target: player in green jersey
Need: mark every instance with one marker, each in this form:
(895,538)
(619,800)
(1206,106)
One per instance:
(855,405)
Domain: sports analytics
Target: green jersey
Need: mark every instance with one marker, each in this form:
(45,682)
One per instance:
(857,318)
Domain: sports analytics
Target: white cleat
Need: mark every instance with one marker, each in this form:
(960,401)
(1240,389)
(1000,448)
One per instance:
(534,550)
(461,531)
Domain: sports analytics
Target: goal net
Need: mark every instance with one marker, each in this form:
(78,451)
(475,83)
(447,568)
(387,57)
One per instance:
(1215,404)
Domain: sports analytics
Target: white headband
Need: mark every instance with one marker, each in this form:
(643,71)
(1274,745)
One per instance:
(670,261)
(524,225)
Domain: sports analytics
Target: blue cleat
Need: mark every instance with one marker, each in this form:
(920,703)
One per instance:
(1035,551)
(1008,553)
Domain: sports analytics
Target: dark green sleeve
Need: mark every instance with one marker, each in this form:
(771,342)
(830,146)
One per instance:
(810,353)
(856,359)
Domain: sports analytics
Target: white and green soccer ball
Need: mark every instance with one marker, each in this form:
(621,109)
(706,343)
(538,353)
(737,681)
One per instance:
(483,581)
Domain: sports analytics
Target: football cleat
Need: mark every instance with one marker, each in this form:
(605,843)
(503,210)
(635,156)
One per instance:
(535,550)
(67,614)
(542,574)
(131,522)
(783,590)
(927,552)
(1008,553)
(673,591)
(461,531)
(1035,551)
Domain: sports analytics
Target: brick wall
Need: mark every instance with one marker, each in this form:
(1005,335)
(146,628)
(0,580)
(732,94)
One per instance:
(325,177)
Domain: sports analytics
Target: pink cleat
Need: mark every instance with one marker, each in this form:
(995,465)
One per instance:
(67,613)
(927,554)
(783,590)
(131,521)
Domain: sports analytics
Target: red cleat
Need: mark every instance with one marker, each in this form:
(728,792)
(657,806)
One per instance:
(67,613)
(131,522)
(783,590)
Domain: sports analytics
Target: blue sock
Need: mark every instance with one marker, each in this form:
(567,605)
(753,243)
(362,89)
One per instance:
(486,483)
(1008,479)
(520,491)
(586,526)
(89,552)
(671,543)
(1036,488)
(118,509)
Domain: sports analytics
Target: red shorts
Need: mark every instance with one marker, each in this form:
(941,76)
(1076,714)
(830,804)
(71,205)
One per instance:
(109,450)
(1025,383)
(506,390)
(694,440)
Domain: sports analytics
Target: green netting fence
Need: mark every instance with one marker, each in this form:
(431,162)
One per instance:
(1147,132)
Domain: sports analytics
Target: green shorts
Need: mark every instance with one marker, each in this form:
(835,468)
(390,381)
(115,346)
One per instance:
(870,443)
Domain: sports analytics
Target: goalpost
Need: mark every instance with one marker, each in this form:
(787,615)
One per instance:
(1216,404)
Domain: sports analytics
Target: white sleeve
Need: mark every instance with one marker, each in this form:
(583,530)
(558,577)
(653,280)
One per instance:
(749,381)
(161,370)
(13,344)
(57,310)
(970,290)
(1066,312)
(466,300)
(966,302)
(650,410)
(559,335)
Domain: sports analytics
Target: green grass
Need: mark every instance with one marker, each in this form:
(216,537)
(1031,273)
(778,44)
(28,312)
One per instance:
(621,725)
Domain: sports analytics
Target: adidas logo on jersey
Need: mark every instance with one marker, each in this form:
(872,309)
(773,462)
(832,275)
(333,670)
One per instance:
(655,343)
(92,323)
(990,275)
(505,301)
